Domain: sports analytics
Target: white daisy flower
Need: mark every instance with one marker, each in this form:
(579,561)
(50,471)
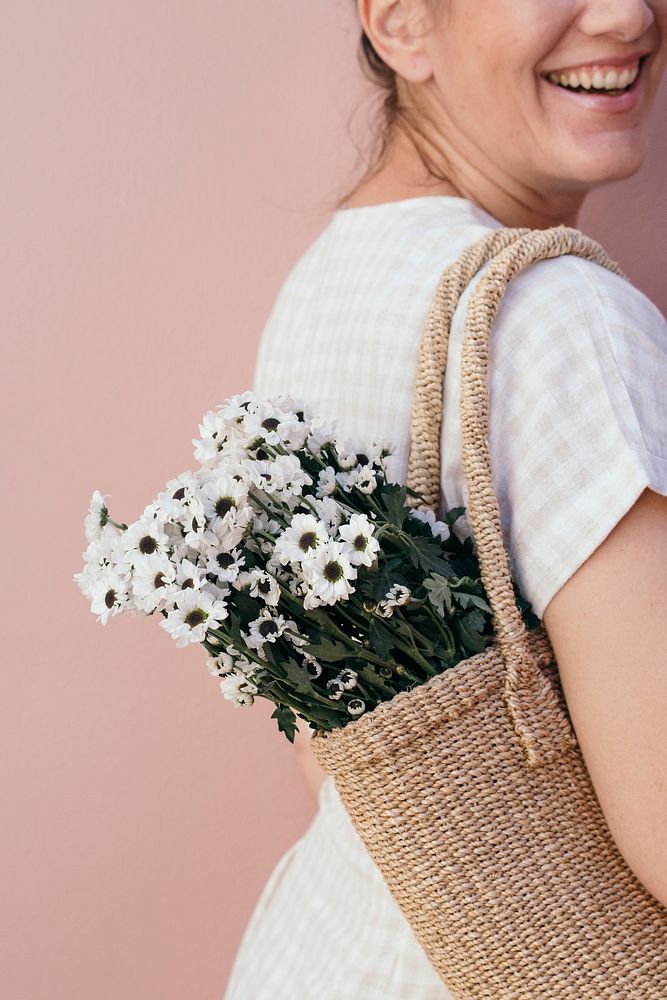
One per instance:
(263,585)
(275,568)
(262,422)
(190,575)
(231,532)
(383,609)
(365,453)
(239,689)
(397,595)
(220,497)
(153,582)
(217,592)
(348,678)
(328,574)
(326,482)
(220,665)
(358,541)
(346,480)
(194,525)
(335,688)
(143,538)
(328,511)
(322,433)
(225,565)
(304,535)
(362,479)
(109,595)
(177,496)
(439,529)
(346,459)
(288,475)
(312,665)
(97,517)
(265,628)
(356,706)
(194,613)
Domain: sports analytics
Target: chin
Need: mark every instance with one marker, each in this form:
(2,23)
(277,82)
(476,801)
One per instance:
(615,163)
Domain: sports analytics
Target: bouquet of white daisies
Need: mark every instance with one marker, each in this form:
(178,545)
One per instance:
(300,566)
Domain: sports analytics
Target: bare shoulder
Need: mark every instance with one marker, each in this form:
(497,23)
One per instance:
(608,628)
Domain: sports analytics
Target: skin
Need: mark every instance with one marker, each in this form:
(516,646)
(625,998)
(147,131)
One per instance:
(511,143)
(501,134)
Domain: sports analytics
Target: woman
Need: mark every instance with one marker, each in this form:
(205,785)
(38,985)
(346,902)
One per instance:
(495,116)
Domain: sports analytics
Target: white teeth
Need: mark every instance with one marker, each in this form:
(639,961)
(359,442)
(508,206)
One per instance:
(597,77)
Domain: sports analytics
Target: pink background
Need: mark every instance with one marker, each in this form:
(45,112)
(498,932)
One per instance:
(164,164)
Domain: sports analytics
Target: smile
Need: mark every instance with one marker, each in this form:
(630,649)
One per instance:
(597,77)
(600,86)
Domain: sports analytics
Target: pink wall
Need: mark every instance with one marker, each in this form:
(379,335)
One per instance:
(163,166)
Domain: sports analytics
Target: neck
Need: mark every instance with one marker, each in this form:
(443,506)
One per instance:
(403,174)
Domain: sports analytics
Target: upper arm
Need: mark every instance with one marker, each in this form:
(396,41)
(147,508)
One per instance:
(608,628)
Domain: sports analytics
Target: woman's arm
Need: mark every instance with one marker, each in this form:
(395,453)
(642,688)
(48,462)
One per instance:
(608,628)
(312,771)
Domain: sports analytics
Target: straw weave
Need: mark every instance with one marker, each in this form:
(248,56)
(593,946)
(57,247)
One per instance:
(470,791)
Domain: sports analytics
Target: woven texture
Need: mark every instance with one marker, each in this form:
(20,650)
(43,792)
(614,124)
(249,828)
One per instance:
(470,792)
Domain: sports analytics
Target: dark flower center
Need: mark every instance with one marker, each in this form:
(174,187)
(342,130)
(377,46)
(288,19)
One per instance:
(299,415)
(179,494)
(147,545)
(187,583)
(261,454)
(264,586)
(195,617)
(223,505)
(360,543)
(224,559)
(333,571)
(308,540)
(267,628)
(270,424)
(159,580)
(362,459)
(110,598)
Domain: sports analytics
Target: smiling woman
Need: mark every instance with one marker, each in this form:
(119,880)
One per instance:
(490,119)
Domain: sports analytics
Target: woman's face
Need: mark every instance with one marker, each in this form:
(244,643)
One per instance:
(491,59)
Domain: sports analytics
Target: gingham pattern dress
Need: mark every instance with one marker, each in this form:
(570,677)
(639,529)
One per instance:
(577,429)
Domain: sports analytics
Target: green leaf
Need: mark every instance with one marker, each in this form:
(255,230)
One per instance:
(380,638)
(465,600)
(299,681)
(439,593)
(328,650)
(470,638)
(382,583)
(392,499)
(249,607)
(452,515)
(427,554)
(286,721)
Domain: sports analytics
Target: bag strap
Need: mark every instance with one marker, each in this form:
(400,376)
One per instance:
(541,724)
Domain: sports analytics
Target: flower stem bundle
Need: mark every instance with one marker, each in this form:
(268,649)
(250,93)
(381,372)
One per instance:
(308,575)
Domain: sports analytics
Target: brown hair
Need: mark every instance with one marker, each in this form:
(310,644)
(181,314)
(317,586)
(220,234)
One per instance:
(393,112)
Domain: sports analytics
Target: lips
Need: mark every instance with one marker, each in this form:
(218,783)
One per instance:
(614,101)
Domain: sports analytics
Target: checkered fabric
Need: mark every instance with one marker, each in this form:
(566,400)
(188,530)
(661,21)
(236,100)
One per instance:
(577,429)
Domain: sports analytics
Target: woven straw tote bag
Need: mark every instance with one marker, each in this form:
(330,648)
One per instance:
(470,791)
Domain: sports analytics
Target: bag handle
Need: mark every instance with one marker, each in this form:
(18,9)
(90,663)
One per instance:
(539,720)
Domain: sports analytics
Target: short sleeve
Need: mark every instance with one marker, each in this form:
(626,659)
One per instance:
(577,416)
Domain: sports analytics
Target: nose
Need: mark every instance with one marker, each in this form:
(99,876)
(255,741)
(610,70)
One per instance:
(626,20)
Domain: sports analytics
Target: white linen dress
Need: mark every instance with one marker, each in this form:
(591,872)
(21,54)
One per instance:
(577,429)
